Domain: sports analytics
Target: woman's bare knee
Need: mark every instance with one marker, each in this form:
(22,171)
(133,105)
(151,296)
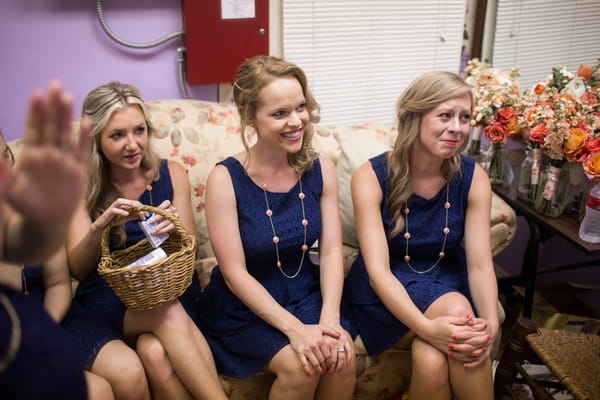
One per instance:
(98,388)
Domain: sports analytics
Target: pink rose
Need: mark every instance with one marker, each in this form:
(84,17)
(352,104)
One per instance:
(538,133)
(496,133)
(505,114)
(592,145)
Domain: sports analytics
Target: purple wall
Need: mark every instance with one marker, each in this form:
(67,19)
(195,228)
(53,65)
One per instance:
(43,39)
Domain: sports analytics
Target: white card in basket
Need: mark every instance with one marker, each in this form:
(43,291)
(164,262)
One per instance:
(147,226)
(154,256)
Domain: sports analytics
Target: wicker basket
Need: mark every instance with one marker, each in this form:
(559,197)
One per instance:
(148,286)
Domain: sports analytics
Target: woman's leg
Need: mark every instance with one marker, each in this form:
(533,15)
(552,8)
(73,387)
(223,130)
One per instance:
(98,388)
(429,372)
(291,381)
(164,383)
(185,345)
(338,385)
(474,383)
(121,367)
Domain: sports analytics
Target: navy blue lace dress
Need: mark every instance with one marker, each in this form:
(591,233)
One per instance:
(241,342)
(378,328)
(96,314)
(46,365)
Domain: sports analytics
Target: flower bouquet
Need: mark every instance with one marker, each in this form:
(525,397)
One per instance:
(560,116)
(495,94)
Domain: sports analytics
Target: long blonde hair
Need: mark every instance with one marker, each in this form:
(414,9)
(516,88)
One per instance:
(421,96)
(253,75)
(99,106)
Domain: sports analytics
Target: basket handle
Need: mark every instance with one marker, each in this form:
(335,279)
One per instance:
(105,251)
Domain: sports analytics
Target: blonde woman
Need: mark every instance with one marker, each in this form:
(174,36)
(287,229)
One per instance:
(414,284)
(267,306)
(124,172)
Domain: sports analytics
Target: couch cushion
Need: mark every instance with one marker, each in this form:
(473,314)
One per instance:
(197,134)
(356,150)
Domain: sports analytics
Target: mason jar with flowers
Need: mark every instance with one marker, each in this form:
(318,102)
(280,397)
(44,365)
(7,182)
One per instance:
(493,90)
(497,134)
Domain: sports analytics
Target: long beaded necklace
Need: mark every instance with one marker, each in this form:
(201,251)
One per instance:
(304,223)
(445,231)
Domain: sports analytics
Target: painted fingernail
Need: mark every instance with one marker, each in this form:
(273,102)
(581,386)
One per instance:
(309,373)
(450,353)
(451,346)
(453,336)
(488,337)
(468,317)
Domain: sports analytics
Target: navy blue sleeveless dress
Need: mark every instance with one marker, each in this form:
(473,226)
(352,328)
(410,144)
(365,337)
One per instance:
(96,314)
(241,342)
(378,328)
(46,365)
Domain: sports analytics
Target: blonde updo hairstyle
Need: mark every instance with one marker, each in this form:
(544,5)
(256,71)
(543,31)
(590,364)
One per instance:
(99,107)
(423,95)
(252,76)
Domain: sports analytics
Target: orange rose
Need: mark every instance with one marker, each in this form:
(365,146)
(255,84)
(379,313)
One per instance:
(585,72)
(539,89)
(591,166)
(514,129)
(505,114)
(574,143)
(496,133)
(538,133)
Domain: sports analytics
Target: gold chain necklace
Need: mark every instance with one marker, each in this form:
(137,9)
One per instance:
(445,231)
(304,222)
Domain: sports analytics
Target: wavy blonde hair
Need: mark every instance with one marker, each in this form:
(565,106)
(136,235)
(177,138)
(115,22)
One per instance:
(423,95)
(253,75)
(99,106)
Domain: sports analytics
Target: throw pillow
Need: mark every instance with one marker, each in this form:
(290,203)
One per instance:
(356,150)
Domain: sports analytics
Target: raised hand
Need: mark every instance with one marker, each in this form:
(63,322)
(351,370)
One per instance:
(48,180)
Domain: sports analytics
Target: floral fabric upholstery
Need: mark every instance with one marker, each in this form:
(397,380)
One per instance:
(198,134)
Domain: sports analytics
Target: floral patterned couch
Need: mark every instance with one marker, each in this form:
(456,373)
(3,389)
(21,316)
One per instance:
(199,133)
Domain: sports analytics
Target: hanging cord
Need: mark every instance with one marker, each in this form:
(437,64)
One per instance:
(114,37)
(158,42)
(181,72)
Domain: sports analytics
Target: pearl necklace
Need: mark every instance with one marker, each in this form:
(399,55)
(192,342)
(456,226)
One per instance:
(304,223)
(445,231)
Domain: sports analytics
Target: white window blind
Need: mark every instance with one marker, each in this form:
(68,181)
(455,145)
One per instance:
(536,35)
(360,54)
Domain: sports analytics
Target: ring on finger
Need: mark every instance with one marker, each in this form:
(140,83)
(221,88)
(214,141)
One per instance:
(341,350)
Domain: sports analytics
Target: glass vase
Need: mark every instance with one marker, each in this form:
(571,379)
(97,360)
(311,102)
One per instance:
(474,147)
(553,197)
(496,159)
(529,178)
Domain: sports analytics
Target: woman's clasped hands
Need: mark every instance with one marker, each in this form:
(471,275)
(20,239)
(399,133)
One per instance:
(467,339)
(322,350)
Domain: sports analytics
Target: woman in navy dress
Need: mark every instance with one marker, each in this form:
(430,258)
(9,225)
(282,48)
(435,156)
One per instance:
(267,306)
(414,283)
(125,172)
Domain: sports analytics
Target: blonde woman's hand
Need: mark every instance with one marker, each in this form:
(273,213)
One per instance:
(164,225)
(308,342)
(118,213)
(472,346)
(341,351)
